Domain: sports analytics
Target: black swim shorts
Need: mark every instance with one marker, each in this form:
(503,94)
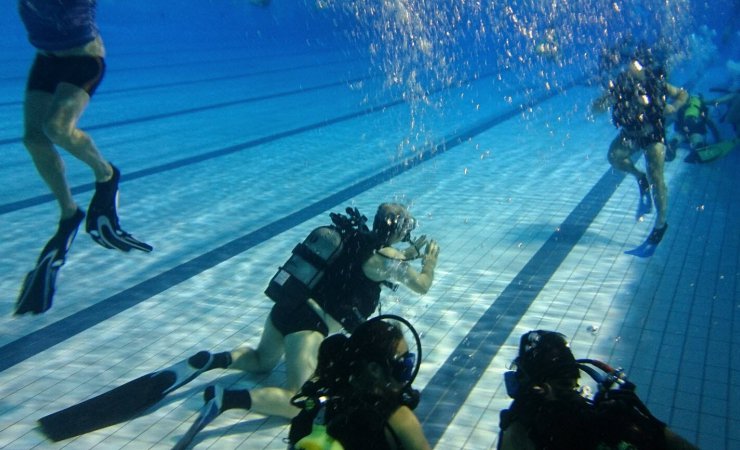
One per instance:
(644,139)
(293,316)
(85,72)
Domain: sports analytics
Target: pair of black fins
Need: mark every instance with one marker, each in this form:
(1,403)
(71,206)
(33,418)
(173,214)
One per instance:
(37,291)
(704,154)
(645,206)
(131,400)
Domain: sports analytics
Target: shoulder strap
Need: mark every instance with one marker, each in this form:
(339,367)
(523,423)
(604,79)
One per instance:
(396,439)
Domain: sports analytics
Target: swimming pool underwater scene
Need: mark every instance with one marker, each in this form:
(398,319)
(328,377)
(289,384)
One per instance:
(239,128)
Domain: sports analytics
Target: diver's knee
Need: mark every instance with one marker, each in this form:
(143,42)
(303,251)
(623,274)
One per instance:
(252,360)
(58,131)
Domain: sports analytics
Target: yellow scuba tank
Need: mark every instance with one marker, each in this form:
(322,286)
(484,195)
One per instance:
(693,107)
(318,440)
(297,278)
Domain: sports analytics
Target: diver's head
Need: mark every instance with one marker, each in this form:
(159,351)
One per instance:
(643,59)
(393,223)
(545,357)
(613,58)
(378,352)
(330,366)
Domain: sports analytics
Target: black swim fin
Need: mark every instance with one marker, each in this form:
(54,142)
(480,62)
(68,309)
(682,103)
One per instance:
(124,402)
(208,412)
(37,292)
(102,218)
(647,248)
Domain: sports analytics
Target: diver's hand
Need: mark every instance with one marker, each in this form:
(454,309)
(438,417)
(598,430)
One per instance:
(414,250)
(429,260)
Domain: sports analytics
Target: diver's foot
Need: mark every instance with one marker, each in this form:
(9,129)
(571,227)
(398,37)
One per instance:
(102,218)
(205,360)
(62,240)
(227,398)
(657,234)
(37,291)
(212,408)
(214,396)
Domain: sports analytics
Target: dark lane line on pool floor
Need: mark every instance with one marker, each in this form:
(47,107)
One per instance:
(45,198)
(44,338)
(122,67)
(235,76)
(199,109)
(449,388)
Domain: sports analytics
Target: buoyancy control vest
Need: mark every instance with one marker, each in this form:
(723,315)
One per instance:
(639,102)
(327,266)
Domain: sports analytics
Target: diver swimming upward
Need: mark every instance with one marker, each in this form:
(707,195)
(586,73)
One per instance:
(68,67)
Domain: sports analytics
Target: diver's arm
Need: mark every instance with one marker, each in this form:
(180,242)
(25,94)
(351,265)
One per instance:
(602,103)
(407,429)
(676,442)
(680,95)
(414,250)
(516,437)
(390,264)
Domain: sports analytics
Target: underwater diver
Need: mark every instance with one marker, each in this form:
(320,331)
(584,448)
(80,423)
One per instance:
(550,411)
(347,294)
(68,67)
(639,101)
(691,126)
(331,282)
(361,395)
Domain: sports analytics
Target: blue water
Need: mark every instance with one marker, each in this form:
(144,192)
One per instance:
(238,129)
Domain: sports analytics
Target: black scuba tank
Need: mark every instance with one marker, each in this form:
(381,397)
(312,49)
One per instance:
(297,278)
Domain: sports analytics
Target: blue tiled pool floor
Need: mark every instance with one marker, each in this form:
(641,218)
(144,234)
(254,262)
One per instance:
(226,169)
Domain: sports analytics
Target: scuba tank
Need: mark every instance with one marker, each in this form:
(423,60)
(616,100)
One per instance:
(693,108)
(301,274)
(297,278)
(318,439)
